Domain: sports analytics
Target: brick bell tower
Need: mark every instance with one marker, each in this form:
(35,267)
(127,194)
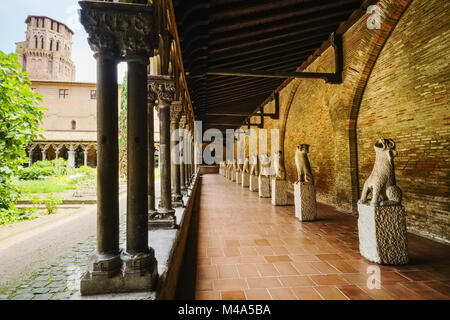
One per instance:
(46,52)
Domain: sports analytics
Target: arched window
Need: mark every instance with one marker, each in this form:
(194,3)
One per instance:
(57,46)
(36,42)
(51,45)
(42,43)
(74,125)
(43,23)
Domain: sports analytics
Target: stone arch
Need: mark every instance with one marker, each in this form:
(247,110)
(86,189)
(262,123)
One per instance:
(390,21)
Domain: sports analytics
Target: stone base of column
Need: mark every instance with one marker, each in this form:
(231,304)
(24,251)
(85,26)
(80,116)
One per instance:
(264,186)
(162,219)
(135,274)
(184,191)
(177,201)
(253,185)
(245,179)
(382,234)
(305,201)
(233,175)
(279,192)
(238,177)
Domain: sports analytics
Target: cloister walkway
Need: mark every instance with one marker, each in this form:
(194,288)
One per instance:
(249,249)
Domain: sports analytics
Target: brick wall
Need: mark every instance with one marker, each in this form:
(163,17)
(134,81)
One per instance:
(395,82)
(407,99)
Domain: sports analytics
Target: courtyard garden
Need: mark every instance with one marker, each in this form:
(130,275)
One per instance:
(39,188)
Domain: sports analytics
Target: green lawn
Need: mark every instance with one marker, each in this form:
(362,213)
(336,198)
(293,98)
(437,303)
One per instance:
(50,185)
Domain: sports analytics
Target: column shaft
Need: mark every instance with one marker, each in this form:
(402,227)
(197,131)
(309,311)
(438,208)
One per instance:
(107,158)
(137,205)
(164,158)
(151,157)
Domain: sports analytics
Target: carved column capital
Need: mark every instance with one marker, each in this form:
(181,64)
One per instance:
(182,122)
(120,31)
(163,87)
(175,111)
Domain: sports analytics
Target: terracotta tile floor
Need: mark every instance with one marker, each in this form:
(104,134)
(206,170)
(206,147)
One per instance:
(249,249)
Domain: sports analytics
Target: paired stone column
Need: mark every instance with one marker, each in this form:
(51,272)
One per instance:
(175,116)
(134,268)
(164,88)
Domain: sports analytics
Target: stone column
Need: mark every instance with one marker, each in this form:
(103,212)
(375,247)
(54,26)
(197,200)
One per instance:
(71,158)
(151,152)
(85,154)
(137,252)
(164,87)
(57,150)
(136,268)
(182,155)
(30,151)
(106,263)
(44,152)
(175,115)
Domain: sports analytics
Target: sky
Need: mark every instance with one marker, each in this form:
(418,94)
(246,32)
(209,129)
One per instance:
(12,25)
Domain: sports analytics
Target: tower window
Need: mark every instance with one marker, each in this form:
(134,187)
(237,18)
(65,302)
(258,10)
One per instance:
(93,94)
(36,42)
(51,45)
(57,46)
(57,27)
(42,43)
(63,94)
(74,125)
(43,23)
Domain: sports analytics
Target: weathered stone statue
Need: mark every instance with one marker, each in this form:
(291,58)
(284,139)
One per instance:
(279,183)
(382,221)
(245,169)
(264,177)
(254,169)
(381,182)
(254,173)
(304,192)
(265,165)
(304,171)
(245,179)
(280,171)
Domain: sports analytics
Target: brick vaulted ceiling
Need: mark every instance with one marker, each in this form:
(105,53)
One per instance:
(258,35)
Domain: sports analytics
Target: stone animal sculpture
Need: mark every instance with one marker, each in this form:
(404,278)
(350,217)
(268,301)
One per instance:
(304,171)
(265,165)
(246,169)
(381,182)
(280,171)
(254,169)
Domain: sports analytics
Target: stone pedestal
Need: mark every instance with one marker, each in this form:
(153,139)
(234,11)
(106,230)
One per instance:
(279,192)
(382,234)
(238,177)
(264,186)
(253,185)
(305,201)
(233,175)
(245,179)
(137,273)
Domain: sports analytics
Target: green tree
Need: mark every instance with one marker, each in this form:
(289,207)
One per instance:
(20,117)
(123,119)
